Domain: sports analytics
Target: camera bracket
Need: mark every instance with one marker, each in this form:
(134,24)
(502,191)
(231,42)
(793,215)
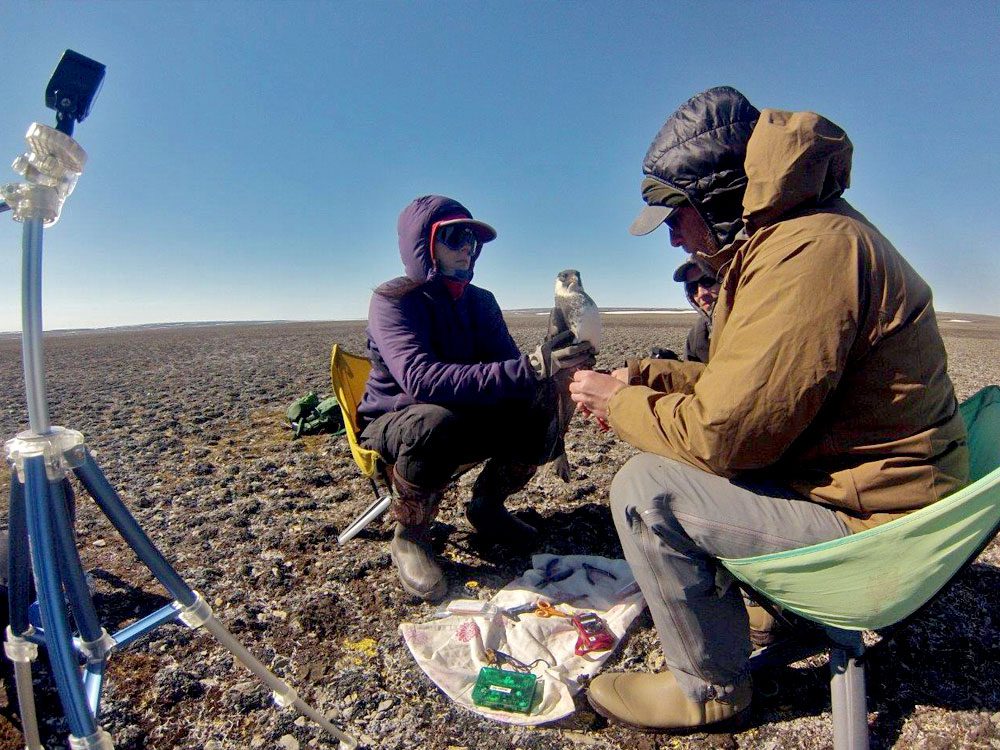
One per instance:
(72,89)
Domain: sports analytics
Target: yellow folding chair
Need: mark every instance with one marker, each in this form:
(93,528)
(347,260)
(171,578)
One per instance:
(348,374)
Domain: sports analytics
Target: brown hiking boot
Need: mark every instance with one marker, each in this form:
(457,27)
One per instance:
(486,512)
(656,703)
(765,628)
(419,573)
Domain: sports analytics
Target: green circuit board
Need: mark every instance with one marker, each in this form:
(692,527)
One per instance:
(504,690)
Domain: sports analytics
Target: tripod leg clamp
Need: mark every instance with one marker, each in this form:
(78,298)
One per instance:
(62,449)
(197,613)
(99,740)
(286,696)
(96,651)
(20,649)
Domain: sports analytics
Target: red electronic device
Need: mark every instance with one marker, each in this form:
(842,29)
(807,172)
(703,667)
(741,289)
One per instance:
(594,634)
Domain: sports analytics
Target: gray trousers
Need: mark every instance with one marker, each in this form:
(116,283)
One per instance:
(673,521)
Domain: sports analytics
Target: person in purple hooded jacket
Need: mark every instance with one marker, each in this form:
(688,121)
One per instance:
(449,387)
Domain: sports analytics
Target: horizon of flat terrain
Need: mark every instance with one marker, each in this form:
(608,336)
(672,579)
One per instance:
(955,323)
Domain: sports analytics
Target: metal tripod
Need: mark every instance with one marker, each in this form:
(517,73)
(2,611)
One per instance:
(42,542)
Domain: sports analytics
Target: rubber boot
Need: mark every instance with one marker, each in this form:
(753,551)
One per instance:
(418,572)
(414,509)
(486,512)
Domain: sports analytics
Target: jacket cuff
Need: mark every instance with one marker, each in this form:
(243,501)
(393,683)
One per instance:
(634,371)
(617,398)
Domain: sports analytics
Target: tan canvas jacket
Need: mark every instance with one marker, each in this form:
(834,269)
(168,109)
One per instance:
(827,370)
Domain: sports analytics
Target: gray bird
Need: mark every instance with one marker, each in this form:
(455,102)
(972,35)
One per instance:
(574,311)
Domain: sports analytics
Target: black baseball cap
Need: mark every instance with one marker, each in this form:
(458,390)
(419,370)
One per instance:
(661,201)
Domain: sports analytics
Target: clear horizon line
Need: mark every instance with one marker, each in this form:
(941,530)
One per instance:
(264,321)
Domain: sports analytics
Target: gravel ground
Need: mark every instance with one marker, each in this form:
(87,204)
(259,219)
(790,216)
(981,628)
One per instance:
(187,423)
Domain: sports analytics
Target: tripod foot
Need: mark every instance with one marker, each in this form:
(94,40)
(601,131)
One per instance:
(22,652)
(199,613)
(99,740)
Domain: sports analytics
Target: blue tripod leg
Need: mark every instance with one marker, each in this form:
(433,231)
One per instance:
(99,488)
(95,641)
(19,649)
(18,563)
(58,637)
(194,611)
(70,568)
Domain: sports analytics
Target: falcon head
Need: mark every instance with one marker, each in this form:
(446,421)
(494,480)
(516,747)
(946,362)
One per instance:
(568,282)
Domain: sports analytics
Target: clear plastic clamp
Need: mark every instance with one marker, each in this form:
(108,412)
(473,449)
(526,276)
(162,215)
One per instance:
(63,449)
(51,167)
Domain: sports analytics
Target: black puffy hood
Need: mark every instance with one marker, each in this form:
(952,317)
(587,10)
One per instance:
(700,151)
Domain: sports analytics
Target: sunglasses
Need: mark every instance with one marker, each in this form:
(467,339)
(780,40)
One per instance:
(705,282)
(457,236)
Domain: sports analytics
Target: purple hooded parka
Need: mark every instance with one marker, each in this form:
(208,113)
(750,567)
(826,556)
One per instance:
(427,347)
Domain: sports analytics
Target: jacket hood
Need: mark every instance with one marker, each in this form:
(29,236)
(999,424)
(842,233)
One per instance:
(700,151)
(414,228)
(795,161)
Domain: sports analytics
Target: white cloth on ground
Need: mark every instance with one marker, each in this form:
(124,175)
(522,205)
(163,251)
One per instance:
(452,650)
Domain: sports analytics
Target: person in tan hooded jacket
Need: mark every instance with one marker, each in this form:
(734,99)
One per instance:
(825,408)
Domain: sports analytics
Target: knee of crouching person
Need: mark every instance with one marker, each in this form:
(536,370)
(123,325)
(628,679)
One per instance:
(636,484)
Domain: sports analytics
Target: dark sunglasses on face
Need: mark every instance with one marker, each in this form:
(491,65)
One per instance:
(705,282)
(457,236)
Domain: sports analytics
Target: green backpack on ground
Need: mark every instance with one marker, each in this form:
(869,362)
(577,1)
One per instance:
(309,415)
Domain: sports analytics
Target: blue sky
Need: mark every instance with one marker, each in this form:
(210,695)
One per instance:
(248,161)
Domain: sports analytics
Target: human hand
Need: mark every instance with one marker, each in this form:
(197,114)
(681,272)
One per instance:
(592,391)
(559,353)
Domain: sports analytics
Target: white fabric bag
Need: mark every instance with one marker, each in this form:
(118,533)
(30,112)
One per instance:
(453,649)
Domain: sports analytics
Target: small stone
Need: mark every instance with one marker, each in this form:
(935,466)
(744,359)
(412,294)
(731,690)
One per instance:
(582,739)
(100,543)
(288,742)
(384,705)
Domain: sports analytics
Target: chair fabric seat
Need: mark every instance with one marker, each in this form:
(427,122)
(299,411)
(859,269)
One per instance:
(877,577)
(349,374)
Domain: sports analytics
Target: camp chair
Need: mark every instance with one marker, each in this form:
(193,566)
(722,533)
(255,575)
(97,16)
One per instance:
(879,577)
(349,373)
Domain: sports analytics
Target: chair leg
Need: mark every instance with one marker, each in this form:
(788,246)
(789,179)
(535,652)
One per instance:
(848,698)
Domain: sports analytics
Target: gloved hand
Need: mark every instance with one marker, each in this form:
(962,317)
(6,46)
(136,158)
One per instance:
(660,353)
(559,353)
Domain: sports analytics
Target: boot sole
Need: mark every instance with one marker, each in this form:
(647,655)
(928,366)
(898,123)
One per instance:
(736,721)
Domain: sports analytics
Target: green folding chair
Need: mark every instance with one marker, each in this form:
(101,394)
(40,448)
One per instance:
(880,577)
